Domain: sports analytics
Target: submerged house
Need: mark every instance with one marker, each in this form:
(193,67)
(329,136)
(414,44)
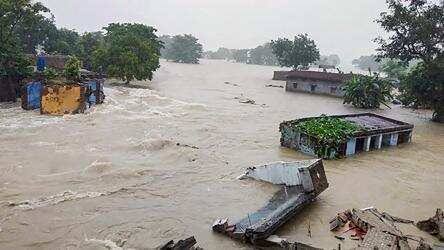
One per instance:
(375,132)
(316,82)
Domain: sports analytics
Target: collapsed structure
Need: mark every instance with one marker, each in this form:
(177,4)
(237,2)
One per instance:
(61,99)
(302,182)
(375,132)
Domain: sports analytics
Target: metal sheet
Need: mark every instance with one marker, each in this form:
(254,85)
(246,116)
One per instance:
(31,95)
(63,99)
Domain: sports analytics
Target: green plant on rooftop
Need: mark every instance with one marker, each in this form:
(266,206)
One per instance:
(329,133)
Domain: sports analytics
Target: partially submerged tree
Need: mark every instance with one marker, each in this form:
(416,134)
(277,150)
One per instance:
(416,30)
(263,55)
(298,53)
(184,49)
(130,51)
(367,92)
(241,55)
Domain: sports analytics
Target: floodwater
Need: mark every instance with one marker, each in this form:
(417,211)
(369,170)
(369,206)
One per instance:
(153,165)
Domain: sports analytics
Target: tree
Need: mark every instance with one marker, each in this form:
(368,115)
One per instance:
(25,21)
(423,86)
(367,92)
(417,32)
(90,42)
(65,42)
(130,51)
(367,63)
(184,49)
(298,53)
(241,55)
(394,69)
(263,55)
(166,48)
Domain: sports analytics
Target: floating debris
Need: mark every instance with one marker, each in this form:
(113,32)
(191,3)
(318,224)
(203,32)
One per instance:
(305,179)
(186,244)
(233,84)
(434,225)
(274,86)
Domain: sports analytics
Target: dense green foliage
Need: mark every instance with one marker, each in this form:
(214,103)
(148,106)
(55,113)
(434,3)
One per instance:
(72,69)
(416,29)
(130,51)
(394,69)
(50,74)
(300,52)
(423,87)
(90,42)
(367,92)
(329,132)
(15,15)
(183,49)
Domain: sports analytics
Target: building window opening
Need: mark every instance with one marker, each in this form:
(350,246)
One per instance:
(313,87)
(295,85)
(360,145)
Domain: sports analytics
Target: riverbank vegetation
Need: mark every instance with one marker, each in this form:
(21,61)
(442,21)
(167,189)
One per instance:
(181,48)
(416,29)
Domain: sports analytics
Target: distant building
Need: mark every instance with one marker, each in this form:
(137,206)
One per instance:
(51,61)
(316,82)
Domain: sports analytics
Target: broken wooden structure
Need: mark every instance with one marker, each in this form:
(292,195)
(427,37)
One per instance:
(434,225)
(377,132)
(301,182)
(373,230)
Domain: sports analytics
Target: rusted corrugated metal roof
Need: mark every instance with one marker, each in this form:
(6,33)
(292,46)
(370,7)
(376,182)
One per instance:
(319,76)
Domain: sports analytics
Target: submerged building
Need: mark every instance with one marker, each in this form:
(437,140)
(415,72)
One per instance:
(377,132)
(316,82)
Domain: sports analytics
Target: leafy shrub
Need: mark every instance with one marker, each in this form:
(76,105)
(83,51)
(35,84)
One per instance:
(50,74)
(72,69)
(367,92)
(330,133)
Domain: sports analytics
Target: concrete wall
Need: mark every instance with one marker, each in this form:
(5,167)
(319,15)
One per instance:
(317,87)
(280,75)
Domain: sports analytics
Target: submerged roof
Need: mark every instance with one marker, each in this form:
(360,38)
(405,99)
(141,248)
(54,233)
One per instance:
(319,76)
(371,123)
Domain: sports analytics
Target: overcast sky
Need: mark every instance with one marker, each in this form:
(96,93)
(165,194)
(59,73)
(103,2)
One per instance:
(343,27)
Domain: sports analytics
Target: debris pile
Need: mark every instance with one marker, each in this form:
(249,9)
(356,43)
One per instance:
(373,230)
(302,182)
(434,225)
(186,244)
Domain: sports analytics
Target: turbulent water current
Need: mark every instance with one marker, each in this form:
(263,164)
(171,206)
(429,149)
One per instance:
(151,165)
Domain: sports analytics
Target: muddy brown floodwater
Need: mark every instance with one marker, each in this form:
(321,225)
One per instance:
(153,165)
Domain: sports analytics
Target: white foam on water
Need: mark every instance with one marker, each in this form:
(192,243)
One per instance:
(108,244)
